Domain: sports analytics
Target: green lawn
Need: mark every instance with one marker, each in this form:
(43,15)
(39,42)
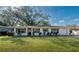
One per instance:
(39,44)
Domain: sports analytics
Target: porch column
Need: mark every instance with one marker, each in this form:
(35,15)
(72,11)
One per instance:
(67,31)
(26,32)
(31,31)
(15,33)
(41,30)
(49,30)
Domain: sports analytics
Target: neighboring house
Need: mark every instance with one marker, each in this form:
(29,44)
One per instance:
(39,30)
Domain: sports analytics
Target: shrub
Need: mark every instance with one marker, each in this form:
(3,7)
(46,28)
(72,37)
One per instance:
(10,33)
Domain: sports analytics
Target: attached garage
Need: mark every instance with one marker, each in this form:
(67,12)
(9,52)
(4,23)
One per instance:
(6,31)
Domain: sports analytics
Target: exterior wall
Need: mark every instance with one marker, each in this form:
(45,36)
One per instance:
(15,34)
(75,32)
(63,32)
(24,34)
(49,30)
(36,34)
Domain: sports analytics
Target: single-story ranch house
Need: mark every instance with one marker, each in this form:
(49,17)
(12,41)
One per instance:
(39,30)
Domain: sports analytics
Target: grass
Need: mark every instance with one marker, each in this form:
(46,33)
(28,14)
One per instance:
(39,44)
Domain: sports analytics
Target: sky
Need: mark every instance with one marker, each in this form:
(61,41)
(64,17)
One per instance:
(62,15)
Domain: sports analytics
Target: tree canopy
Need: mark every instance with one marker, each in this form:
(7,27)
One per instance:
(22,16)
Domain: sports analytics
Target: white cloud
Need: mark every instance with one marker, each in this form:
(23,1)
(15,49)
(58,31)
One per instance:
(55,24)
(76,19)
(78,24)
(61,21)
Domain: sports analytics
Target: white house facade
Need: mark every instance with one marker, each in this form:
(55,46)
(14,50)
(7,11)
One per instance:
(39,30)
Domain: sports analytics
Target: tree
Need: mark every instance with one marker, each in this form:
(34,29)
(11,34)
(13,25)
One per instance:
(24,15)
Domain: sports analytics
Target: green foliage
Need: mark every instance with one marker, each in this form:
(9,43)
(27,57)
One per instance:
(3,24)
(23,15)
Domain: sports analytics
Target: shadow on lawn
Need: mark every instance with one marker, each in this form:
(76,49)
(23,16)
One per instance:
(5,38)
(18,41)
